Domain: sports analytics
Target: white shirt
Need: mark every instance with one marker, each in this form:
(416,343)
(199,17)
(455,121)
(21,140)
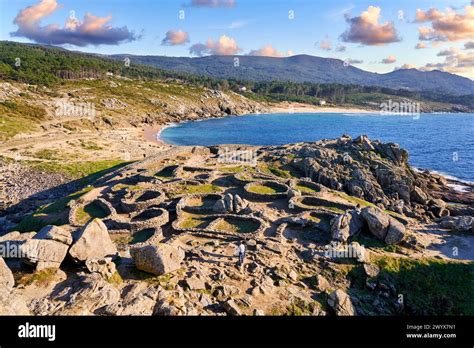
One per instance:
(241,249)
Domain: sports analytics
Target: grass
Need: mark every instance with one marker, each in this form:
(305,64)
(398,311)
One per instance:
(194,221)
(352,199)
(16,118)
(431,286)
(237,226)
(273,170)
(142,236)
(90,146)
(79,169)
(51,214)
(119,187)
(194,189)
(48,154)
(232,170)
(40,278)
(265,189)
(304,188)
(115,279)
(89,211)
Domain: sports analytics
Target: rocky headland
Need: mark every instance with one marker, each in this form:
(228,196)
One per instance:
(333,227)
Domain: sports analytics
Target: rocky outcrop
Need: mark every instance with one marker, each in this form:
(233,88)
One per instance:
(93,241)
(48,248)
(157,259)
(6,276)
(383,226)
(463,224)
(346,225)
(105,267)
(341,303)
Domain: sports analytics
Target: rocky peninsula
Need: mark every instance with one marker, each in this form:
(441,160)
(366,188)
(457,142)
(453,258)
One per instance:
(333,227)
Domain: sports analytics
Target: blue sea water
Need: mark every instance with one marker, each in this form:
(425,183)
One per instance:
(438,142)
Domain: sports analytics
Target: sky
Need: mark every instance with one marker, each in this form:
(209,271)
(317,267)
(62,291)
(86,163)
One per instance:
(378,36)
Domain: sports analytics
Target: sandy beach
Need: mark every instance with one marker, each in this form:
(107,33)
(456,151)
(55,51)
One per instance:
(291,107)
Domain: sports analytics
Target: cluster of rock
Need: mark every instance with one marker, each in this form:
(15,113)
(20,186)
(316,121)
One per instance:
(295,241)
(371,170)
(230,204)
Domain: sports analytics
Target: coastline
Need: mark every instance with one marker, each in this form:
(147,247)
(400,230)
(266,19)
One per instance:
(293,107)
(153,134)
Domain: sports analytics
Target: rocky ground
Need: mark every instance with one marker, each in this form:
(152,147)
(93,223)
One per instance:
(335,227)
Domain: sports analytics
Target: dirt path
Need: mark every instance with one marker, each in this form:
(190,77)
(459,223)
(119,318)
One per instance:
(443,243)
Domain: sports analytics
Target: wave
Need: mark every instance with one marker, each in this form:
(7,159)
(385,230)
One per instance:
(462,185)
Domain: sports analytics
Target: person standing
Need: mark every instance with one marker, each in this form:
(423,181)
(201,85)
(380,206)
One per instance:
(241,252)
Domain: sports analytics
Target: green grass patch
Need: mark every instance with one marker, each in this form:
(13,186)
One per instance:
(431,286)
(194,221)
(89,211)
(265,189)
(194,189)
(55,213)
(40,278)
(307,189)
(79,169)
(142,236)
(236,226)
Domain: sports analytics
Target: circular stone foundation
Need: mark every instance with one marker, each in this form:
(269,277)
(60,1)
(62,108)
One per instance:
(266,190)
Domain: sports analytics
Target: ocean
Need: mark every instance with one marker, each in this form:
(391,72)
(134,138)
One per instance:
(438,142)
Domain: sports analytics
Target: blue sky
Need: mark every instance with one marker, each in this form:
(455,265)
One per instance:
(249,25)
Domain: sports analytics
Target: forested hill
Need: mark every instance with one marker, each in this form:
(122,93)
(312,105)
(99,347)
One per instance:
(46,65)
(305,68)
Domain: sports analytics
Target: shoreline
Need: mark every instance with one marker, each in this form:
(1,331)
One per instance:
(294,107)
(153,133)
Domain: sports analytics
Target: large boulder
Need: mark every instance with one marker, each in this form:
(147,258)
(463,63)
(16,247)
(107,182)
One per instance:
(6,276)
(396,232)
(339,227)
(55,233)
(158,258)
(346,225)
(239,204)
(219,207)
(463,224)
(383,226)
(87,295)
(231,307)
(229,202)
(93,242)
(105,267)
(138,300)
(377,221)
(12,303)
(48,248)
(341,303)
(43,253)
(419,196)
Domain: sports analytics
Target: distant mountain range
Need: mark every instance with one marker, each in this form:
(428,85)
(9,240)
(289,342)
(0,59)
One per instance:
(306,68)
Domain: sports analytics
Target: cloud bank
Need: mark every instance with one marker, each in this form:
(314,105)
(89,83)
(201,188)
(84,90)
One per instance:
(389,60)
(225,45)
(446,26)
(92,30)
(175,38)
(213,3)
(367,30)
(269,51)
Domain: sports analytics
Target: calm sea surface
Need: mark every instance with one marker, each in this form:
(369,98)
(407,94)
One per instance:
(439,142)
